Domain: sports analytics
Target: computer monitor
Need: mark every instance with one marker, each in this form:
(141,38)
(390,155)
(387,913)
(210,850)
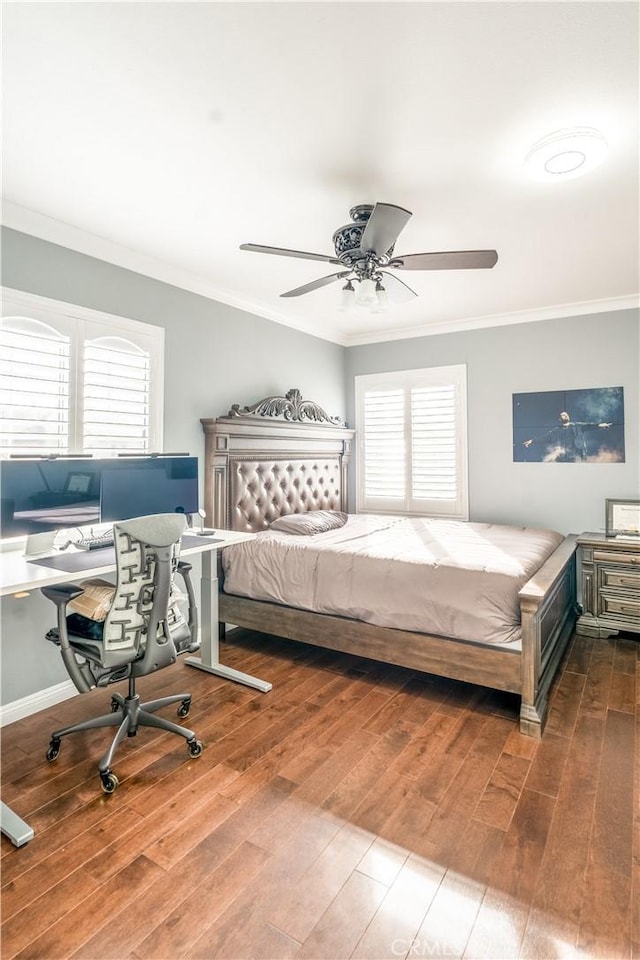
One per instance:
(39,496)
(140,487)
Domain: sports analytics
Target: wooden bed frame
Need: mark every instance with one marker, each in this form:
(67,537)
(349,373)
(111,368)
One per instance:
(285,455)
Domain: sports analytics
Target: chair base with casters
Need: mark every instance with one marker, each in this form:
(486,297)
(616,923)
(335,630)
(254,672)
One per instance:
(144,630)
(128,713)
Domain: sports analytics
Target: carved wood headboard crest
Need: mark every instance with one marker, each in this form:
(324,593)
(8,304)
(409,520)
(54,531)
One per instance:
(289,407)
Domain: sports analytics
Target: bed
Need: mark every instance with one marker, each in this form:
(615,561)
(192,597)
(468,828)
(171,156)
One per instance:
(285,456)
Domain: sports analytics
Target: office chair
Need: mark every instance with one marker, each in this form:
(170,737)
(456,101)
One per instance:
(144,631)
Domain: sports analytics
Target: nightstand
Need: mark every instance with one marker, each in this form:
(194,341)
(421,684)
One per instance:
(608,585)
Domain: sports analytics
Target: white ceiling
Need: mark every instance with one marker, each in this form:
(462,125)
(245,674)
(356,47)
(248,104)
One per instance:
(162,135)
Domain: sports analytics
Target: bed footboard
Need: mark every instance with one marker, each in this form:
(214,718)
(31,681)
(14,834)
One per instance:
(548,607)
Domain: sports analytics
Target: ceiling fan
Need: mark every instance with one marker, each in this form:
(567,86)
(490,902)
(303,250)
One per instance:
(364,249)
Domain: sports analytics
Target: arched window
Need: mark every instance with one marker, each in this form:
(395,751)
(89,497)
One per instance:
(73,380)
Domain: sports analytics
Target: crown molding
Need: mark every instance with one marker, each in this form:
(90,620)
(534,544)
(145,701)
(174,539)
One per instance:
(557,312)
(65,235)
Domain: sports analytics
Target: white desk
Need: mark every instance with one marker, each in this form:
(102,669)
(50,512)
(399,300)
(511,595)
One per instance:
(18,574)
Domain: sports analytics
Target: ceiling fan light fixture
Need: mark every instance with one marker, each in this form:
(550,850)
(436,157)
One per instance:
(381,296)
(366,294)
(348,296)
(566,154)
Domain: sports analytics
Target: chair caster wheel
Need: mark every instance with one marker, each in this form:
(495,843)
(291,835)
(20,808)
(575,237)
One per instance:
(53,750)
(195,747)
(115,706)
(183,709)
(109,782)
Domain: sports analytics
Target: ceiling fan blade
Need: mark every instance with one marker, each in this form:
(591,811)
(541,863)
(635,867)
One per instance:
(383,228)
(448,260)
(398,290)
(315,284)
(283,252)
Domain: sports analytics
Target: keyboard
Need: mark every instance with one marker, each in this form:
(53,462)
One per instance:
(97,542)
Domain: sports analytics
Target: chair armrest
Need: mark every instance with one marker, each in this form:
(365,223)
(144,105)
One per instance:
(184,569)
(61,594)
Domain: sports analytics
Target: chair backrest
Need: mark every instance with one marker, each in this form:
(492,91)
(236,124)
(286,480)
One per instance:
(147,551)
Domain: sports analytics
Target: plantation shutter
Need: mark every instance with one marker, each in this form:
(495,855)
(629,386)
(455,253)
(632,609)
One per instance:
(433,443)
(384,444)
(116,396)
(411,442)
(34,387)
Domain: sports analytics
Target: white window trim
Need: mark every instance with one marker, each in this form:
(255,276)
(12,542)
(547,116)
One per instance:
(455,374)
(68,317)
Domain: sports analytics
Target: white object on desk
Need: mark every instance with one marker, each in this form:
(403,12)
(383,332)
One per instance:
(17,575)
(38,543)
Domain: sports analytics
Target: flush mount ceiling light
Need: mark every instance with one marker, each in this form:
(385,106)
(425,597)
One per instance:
(565,154)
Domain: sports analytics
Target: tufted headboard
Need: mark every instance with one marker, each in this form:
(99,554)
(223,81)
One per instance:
(281,455)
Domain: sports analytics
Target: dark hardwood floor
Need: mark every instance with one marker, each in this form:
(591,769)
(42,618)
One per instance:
(357,810)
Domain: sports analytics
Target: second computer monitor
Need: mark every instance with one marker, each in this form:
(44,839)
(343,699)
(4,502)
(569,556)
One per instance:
(140,487)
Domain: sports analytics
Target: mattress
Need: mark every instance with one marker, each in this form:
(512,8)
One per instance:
(444,577)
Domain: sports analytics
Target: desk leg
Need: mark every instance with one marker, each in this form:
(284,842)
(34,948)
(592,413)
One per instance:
(13,827)
(209,645)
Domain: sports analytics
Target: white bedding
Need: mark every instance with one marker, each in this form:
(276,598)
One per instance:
(449,578)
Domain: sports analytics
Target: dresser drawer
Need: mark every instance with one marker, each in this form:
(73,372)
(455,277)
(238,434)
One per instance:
(620,608)
(612,556)
(620,579)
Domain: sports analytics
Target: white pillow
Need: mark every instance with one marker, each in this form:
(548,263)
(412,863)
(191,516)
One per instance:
(306,524)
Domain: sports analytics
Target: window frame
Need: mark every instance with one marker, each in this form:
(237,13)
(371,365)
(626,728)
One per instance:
(451,374)
(82,324)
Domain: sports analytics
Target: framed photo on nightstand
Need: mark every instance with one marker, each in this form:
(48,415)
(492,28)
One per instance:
(623,519)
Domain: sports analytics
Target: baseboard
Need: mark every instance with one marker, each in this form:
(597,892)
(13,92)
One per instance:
(18,709)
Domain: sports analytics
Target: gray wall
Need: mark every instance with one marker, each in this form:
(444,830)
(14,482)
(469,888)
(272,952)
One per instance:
(215,355)
(598,350)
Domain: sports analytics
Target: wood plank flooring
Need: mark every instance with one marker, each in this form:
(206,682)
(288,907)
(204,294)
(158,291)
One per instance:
(356,810)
